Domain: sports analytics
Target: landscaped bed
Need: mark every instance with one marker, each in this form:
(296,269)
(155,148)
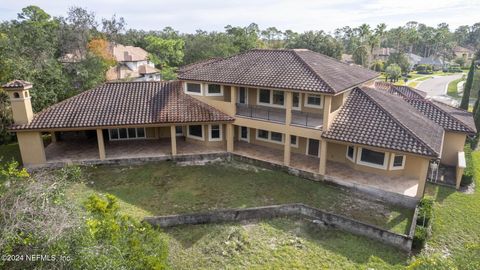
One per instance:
(166,188)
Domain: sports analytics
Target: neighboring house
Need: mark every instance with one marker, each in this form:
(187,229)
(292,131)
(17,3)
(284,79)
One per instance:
(382,53)
(465,53)
(435,61)
(296,109)
(413,59)
(133,65)
(347,58)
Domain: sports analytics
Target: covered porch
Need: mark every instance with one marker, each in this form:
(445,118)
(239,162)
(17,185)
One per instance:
(78,146)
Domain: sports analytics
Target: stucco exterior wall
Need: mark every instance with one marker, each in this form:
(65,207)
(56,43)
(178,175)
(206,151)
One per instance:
(452,144)
(31,148)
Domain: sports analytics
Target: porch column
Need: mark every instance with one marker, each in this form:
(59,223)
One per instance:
(286,150)
(31,148)
(229,138)
(53,136)
(422,178)
(101,145)
(233,99)
(288,108)
(173,139)
(322,168)
(327,104)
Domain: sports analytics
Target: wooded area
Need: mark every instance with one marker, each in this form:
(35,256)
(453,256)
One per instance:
(33,45)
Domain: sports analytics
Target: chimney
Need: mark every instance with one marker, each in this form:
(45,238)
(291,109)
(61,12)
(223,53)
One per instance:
(18,92)
(127,56)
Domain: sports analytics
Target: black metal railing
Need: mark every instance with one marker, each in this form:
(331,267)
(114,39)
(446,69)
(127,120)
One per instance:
(278,115)
(261,112)
(307,119)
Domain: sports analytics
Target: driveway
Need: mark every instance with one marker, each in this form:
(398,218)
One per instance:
(437,86)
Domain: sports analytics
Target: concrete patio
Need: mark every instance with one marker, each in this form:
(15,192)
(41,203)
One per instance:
(84,149)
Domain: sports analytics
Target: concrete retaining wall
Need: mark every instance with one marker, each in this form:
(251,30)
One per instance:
(401,241)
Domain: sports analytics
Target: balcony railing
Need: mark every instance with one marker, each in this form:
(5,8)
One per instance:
(278,115)
(261,112)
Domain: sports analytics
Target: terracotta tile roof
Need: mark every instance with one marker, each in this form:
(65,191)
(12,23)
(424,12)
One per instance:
(146,69)
(450,118)
(198,64)
(297,69)
(126,103)
(16,84)
(375,118)
(129,53)
(403,91)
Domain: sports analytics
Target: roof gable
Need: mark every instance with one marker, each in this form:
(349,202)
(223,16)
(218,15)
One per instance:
(284,69)
(378,119)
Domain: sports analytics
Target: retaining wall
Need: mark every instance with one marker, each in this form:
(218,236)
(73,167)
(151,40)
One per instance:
(401,241)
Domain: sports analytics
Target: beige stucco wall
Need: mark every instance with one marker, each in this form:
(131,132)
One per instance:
(21,107)
(413,164)
(31,148)
(452,144)
(205,140)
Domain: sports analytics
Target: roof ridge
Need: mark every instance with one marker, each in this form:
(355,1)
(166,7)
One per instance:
(332,90)
(397,121)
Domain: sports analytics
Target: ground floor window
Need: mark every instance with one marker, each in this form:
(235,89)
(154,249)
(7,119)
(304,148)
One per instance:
(397,162)
(351,153)
(244,134)
(179,130)
(195,132)
(270,136)
(372,158)
(215,133)
(126,133)
(293,141)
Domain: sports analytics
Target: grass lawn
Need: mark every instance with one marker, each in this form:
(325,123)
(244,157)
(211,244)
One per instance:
(456,223)
(276,244)
(9,152)
(452,87)
(166,188)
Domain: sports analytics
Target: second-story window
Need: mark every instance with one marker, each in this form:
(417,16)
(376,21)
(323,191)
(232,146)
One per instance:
(214,90)
(313,101)
(264,96)
(194,88)
(278,97)
(296,100)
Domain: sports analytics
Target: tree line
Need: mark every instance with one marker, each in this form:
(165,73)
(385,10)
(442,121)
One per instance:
(33,44)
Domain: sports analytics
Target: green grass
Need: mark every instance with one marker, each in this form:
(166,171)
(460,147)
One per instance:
(166,188)
(276,244)
(452,87)
(10,152)
(456,223)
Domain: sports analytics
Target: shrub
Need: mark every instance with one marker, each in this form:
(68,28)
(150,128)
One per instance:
(467,177)
(432,262)
(425,211)
(424,69)
(420,237)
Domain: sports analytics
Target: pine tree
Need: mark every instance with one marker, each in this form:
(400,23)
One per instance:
(468,87)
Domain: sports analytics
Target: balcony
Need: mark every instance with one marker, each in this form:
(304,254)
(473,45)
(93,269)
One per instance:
(303,119)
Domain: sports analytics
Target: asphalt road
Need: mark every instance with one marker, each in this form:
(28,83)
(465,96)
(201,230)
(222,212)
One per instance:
(437,86)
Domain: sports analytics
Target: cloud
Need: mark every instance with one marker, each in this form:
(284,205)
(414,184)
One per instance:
(299,15)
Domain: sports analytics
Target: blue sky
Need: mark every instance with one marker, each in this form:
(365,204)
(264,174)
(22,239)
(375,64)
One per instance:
(297,15)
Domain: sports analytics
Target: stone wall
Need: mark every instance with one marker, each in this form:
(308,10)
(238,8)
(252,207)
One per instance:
(401,241)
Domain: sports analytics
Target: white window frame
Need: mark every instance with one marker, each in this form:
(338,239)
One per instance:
(240,134)
(354,153)
(196,137)
(246,95)
(194,93)
(271,98)
(220,128)
(373,165)
(306,104)
(294,145)
(299,101)
(208,94)
(128,137)
(308,147)
(269,137)
(392,158)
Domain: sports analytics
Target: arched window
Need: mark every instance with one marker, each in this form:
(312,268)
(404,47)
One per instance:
(16,95)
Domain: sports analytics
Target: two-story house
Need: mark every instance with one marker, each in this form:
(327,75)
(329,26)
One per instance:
(132,65)
(295,109)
